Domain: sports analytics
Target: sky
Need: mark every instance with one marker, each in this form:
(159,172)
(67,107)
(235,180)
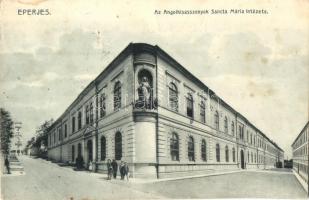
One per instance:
(256,63)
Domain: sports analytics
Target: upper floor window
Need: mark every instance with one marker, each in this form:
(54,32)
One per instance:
(87,115)
(189,105)
(216,120)
(117,95)
(102,105)
(191,149)
(174,147)
(173,97)
(225,125)
(65,130)
(79,123)
(118,146)
(59,134)
(91,113)
(73,124)
(218,152)
(233,128)
(202,112)
(204,150)
(226,154)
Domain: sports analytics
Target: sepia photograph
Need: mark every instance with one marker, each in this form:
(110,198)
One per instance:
(154,99)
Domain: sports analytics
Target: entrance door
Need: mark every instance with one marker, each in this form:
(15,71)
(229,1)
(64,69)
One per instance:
(242,159)
(89,150)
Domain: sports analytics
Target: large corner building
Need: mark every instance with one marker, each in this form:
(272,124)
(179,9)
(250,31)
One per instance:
(148,110)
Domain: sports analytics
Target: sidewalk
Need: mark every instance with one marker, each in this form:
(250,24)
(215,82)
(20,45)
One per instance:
(301,181)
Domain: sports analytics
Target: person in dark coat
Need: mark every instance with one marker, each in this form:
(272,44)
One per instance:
(126,170)
(109,169)
(115,168)
(122,170)
(7,164)
(79,162)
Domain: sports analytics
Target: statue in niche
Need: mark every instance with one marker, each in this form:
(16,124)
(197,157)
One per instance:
(144,92)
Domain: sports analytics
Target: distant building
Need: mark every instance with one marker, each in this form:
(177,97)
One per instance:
(148,110)
(300,153)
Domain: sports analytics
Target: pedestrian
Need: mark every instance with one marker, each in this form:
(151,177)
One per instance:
(7,164)
(126,170)
(90,165)
(115,168)
(79,162)
(109,170)
(122,170)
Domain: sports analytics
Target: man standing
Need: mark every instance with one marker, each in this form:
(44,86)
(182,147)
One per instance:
(7,164)
(115,168)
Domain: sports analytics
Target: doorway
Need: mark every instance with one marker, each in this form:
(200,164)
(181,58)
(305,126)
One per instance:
(89,150)
(242,159)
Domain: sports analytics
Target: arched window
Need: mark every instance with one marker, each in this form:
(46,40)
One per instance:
(87,114)
(118,146)
(103,148)
(233,128)
(173,97)
(73,153)
(91,113)
(218,152)
(202,112)
(79,122)
(174,147)
(204,150)
(189,105)
(225,125)
(191,149)
(234,155)
(227,154)
(102,105)
(117,95)
(216,120)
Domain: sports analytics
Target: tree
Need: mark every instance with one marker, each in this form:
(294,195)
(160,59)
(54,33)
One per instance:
(6,130)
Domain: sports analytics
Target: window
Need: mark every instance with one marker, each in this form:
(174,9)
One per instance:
(218,152)
(91,113)
(189,105)
(234,155)
(102,105)
(250,139)
(248,157)
(87,114)
(203,150)
(65,130)
(103,148)
(79,123)
(73,153)
(251,157)
(226,154)
(173,97)
(233,128)
(73,124)
(226,125)
(117,95)
(118,146)
(191,149)
(54,137)
(202,112)
(216,120)
(174,147)
(59,134)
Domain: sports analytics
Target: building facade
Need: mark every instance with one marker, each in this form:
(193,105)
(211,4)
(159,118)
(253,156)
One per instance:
(300,153)
(148,110)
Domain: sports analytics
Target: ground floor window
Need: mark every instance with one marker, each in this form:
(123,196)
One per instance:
(118,146)
(218,152)
(103,148)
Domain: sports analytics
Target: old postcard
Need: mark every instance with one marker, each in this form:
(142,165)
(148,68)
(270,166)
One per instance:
(154,99)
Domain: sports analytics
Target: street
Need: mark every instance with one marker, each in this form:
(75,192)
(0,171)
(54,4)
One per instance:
(46,180)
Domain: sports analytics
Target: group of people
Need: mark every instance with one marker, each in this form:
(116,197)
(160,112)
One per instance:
(112,169)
